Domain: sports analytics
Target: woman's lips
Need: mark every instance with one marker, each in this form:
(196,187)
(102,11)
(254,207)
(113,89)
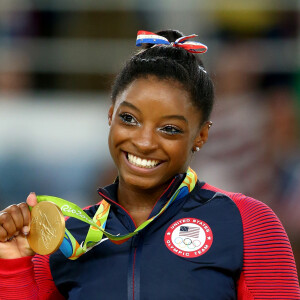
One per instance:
(142,162)
(139,165)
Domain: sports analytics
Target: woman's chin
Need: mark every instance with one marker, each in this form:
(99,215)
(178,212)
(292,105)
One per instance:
(138,182)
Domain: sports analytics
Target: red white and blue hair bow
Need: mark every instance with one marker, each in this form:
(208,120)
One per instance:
(146,37)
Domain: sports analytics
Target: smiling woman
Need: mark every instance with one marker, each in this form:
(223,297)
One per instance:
(165,224)
(153,123)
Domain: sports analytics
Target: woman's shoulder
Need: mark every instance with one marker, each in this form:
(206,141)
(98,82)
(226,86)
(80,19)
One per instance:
(248,206)
(260,223)
(257,217)
(269,266)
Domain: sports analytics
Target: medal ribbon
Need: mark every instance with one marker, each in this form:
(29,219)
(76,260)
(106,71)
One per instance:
(73,250)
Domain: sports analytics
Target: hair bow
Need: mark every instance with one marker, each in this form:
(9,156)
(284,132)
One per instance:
(146,37)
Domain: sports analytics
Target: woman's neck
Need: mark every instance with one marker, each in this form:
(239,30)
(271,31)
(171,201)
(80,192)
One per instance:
(138,202)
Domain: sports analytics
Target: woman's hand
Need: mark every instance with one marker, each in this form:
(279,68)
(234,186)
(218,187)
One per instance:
(14,227)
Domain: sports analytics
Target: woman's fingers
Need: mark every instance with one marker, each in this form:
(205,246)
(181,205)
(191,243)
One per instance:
(17,216)
(31,199)
(7,225)
(26,217)
(3,235)
(14,224)
(15,219)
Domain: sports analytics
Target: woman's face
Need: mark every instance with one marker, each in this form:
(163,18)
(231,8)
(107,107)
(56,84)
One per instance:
(154,128)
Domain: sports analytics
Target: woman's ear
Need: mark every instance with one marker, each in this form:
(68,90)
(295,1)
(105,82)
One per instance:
(202,136)
(110,114)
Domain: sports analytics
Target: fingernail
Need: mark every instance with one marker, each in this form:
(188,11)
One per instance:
(17,233)
(25,230)
(32,193)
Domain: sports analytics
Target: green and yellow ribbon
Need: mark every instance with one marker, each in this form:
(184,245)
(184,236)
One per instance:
(73,250)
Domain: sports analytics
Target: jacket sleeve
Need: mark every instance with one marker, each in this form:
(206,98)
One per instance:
(269,269)
(27,278)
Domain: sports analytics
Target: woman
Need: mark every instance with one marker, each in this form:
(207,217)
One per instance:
(202,243)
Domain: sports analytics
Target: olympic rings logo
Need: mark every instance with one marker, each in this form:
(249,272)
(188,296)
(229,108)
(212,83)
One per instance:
(187,242)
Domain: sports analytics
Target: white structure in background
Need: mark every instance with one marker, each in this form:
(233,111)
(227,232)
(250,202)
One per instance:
(52,145)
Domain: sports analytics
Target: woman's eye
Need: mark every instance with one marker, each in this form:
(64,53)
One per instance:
(128,119)
(170,129)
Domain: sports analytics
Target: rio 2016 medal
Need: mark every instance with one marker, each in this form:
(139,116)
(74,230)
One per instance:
(47,228)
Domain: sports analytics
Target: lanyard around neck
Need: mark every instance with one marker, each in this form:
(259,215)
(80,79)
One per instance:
(73,250)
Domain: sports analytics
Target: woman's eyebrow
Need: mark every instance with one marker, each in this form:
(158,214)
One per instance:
(178,117)
(128,104)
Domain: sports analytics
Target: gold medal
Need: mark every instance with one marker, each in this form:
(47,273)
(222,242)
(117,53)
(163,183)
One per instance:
(47,228)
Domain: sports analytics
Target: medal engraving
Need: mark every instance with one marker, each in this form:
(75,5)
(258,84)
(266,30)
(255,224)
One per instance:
(47,228)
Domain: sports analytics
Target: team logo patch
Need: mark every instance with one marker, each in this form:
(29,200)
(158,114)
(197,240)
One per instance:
(189,237)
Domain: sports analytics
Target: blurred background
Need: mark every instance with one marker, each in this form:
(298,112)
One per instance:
(57,63)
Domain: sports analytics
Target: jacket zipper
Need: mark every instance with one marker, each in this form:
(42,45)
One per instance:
(133,267)
(133,250)
(132,276)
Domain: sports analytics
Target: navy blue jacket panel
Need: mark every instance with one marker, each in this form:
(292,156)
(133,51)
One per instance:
(194,250)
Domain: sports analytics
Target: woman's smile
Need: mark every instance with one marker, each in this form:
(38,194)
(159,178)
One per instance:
(142,162)
(141,166)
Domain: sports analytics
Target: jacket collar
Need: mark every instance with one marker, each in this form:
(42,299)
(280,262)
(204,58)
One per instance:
(110,193)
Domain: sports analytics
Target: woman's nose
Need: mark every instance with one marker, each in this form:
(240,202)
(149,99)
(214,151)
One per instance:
(145,140)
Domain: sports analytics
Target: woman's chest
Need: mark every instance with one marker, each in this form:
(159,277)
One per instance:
(192,254)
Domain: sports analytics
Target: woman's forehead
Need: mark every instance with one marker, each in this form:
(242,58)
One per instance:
(152,91)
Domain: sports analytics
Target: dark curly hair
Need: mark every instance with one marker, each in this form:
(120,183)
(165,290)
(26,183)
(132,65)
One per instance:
(167,62)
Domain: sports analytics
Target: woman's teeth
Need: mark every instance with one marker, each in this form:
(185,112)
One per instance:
(142,163)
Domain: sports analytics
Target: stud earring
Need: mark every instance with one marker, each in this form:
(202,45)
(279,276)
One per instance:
(197,149)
